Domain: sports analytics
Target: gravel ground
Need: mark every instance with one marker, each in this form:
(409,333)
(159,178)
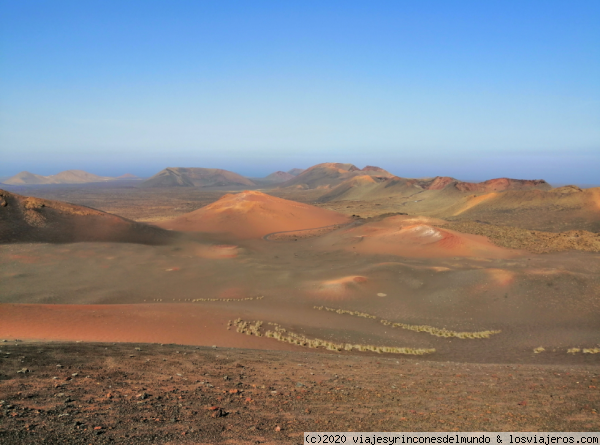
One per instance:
(78,393)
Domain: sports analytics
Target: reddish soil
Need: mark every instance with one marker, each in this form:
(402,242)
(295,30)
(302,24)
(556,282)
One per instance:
(141,393)
(391,281)
(186,324)
(252,214)
(415,237)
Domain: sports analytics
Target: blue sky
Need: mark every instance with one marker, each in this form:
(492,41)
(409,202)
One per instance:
(471,89)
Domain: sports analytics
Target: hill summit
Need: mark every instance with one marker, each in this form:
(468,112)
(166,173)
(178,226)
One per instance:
(252,214)
(331,174)
(197,177)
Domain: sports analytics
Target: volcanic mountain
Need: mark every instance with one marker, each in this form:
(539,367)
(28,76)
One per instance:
(372,187)
(295,171)
(26,219)
(331,174)
(491,185)
(66,177)
(196,177)
(366,187)
(279,176)
(253,214)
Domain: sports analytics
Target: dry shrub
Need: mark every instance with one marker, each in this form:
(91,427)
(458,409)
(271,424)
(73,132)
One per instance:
(343,311)
(196,300)
(281,334)
(440,332)
(417,328)
(591,351)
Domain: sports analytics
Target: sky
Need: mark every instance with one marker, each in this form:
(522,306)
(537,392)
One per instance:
(470,89)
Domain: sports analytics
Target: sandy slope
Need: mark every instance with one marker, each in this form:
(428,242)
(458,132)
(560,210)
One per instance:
(556,210)
(415,237)
(252,214)
(26,219)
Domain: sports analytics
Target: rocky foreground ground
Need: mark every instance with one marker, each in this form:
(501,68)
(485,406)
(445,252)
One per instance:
(80,393)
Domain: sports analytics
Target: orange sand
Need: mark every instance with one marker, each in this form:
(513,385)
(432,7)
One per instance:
(188,324)
(413,237)
(252,214)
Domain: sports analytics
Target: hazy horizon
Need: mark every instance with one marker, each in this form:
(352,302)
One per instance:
(466,89)
(119,172)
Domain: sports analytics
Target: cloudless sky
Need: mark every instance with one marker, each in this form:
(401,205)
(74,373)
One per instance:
(471,89)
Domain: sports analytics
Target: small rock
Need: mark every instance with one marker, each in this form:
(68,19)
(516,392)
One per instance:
(23,371)
(219,412)
(277,428)
(75,374)
(143,395)
(381,294)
